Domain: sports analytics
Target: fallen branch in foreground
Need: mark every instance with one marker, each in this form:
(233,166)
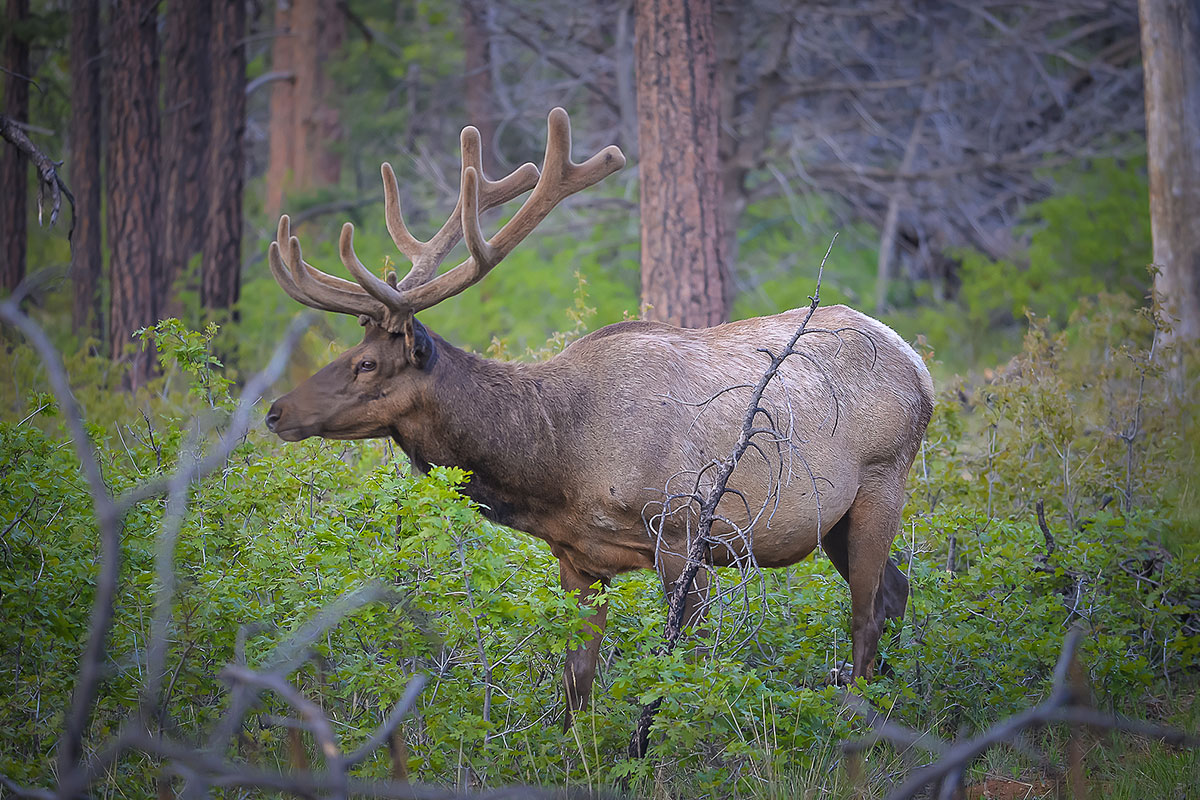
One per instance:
(1069,703)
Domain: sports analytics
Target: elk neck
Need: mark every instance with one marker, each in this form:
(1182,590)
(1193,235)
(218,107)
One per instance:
(502,421)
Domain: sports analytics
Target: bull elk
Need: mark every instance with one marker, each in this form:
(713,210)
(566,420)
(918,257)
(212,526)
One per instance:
(576,449)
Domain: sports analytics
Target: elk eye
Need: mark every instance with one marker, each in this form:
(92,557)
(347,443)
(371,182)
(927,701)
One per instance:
(366,366)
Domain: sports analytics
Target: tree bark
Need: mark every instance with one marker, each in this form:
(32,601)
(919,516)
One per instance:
(86,259)
(1171,69)
(14,166)
(187,106)
(221,266)
(684,276)
(134,217)
(281,128)
(324,146)
(304,113)
(477,79)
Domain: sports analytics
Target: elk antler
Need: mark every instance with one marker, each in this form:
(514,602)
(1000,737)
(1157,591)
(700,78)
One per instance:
(390,304)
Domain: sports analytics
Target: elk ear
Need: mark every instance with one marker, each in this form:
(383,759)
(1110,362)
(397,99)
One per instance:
(418,346)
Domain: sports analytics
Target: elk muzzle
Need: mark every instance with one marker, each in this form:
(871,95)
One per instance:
(280,422)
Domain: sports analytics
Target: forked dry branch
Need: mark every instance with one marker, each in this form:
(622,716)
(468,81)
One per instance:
(704,498)
(1069,703)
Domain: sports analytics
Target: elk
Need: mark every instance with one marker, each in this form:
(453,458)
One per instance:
(577,450)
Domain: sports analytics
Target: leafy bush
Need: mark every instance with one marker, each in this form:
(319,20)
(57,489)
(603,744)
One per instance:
(1080,420)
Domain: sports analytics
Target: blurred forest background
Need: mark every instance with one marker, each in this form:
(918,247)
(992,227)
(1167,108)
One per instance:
(987,167)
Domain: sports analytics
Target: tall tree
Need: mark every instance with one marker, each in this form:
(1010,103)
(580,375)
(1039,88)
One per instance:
(1171,58)
(477,77)
(305,127)
(14,166)
(281,144)
(684,278)
(222,262)
(86,259)
(185,124)
(323,123)
(134,218)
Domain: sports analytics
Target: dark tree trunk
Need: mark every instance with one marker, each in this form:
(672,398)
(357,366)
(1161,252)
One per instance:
(134,218)
(1171,59)
(684,278)
(187,104)
(14,166)
(477,78)
(281,144)
(221,266)
(86,259)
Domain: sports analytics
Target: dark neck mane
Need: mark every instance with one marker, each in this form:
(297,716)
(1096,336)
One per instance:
(502,421)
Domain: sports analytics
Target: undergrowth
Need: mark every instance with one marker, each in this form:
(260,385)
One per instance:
(1083,422)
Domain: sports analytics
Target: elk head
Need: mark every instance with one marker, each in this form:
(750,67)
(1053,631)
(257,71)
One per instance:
(362,392)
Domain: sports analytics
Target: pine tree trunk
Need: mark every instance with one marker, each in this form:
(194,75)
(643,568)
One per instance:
(477,79)
(324,145)
(684,278)
(305,127)
(14,166)
(86,259)
(1171,69)
(134,218)
(281,128)
(188,104)
(222,263)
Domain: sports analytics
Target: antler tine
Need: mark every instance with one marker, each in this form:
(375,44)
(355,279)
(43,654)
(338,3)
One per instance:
(284,278)
(380,290)
(284,235)
(430,254)
(406,243)
(559,178)
(571,177)
(308,288)
(327,296)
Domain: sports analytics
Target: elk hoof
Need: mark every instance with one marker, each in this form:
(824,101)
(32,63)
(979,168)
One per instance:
(841,675)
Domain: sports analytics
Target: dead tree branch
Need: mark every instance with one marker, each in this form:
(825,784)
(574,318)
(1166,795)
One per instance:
(1068,703)
(48,179)
(710,499)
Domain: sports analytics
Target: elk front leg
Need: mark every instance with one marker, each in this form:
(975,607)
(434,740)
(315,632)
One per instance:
(581,662)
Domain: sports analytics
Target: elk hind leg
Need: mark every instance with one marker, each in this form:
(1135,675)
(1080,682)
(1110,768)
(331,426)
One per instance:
(580,668)
(878,589)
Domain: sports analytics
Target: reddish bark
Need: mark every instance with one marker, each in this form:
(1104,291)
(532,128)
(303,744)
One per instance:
(134,210)
(187,106)
(222,262)
(281,145)
(477,79)
(305,127)
(684,278)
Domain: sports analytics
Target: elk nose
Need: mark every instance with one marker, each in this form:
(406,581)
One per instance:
(273,418)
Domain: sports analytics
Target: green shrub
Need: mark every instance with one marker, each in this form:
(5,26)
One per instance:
(285,529)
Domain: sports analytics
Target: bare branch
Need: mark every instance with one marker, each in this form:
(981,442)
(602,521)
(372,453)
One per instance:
(47,171)
(708,500)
